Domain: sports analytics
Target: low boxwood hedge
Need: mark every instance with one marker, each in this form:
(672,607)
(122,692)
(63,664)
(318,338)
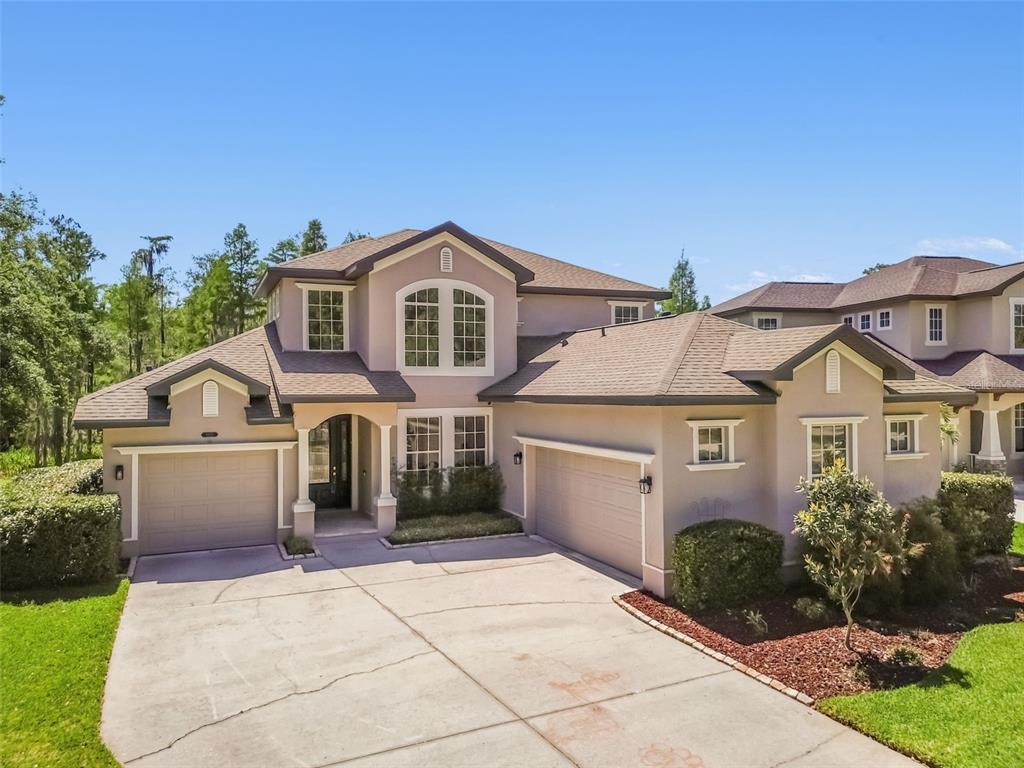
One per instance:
(453,491)
(978,510)
(725,563)
(56,528)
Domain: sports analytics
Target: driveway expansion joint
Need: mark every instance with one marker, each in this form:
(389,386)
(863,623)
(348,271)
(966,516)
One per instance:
(505,605)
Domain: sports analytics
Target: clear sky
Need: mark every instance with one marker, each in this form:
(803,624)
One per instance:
(773,140)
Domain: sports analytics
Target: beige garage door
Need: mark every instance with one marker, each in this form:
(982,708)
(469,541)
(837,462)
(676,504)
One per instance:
(591,505)
(207,500)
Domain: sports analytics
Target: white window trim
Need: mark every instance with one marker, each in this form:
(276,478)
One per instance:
(851,318)
(613,303)
(870,317)
(777,316)
(447,416)
(878,322)
(927,341)
(274,304)
(729,461)
(446,344)
(211,409)
(852,421)
(346,311)
(915,453)
(1013,428)
(1014,301)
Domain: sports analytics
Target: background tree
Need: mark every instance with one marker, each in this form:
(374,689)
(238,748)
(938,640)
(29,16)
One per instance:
(313,239)
(876,267)
(683,286)
(285,250)
(157,246)
(244,267)
(351,236)
(207,313)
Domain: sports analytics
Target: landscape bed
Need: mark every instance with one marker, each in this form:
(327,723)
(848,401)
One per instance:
(465,525)
(812,657)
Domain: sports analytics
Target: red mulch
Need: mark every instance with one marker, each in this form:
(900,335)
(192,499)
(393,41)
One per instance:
(814,659)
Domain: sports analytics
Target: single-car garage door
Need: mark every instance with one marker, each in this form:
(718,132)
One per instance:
(193,501)
(592,505)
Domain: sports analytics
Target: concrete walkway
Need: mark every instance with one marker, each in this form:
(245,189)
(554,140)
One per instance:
(494,653)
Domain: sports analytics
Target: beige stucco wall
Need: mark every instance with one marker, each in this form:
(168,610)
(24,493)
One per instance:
(909,479)
(187,425)
(542,314)
(789,319)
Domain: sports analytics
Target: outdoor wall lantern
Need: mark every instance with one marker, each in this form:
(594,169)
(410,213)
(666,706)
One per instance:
(517,457)
(645,484)
(119,472)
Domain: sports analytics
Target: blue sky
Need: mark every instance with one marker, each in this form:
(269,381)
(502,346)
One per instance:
(774,140)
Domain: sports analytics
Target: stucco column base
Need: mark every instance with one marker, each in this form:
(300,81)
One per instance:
(657,582)
(387,507)
(303,525)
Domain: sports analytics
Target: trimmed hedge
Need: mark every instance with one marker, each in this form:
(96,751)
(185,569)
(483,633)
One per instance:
(56,528)
(725,563)
(978,510)
(449,492)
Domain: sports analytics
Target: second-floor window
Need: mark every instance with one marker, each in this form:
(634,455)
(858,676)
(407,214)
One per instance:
(936,328)
(626,311)
(445,328)
(1017,325)
(864,322)
(325,310)
(884,319)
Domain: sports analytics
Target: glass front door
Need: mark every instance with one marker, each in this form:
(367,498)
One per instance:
(330,463)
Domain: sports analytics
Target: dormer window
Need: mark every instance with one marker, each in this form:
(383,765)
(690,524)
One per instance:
(325,310)
(211,398)
(864,322)
(445,327)
(626,311)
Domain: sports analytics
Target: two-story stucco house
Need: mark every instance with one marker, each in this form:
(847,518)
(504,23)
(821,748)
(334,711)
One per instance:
(613,428)
(957,319)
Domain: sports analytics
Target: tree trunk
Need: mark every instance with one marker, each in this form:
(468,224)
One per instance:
(57,436)
(849,629)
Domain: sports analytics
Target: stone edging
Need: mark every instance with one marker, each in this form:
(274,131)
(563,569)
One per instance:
(304,556)
(387,544)
(771,682)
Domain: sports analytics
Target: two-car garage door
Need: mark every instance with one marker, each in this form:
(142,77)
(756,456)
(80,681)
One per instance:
(590,504)
(192,501)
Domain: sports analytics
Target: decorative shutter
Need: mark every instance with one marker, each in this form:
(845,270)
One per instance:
(446,259)
(832,372)
(210,400)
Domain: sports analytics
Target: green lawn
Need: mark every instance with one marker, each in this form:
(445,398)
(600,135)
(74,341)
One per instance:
(54,647)
(462,526)
(967,714)
(1018,539)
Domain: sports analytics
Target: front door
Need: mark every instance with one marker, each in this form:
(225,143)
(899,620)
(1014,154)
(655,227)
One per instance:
(330,463)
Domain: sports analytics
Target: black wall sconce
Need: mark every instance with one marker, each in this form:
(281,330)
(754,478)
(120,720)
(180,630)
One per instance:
(119,472)
(517,457)
(645,485)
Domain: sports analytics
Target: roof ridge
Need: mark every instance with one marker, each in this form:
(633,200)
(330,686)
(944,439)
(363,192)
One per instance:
(679,354)
(341,246)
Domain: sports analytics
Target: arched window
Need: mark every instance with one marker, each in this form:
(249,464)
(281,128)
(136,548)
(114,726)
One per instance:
(832,372)
(422,329)
(469,330)
(444,328)
(211,400)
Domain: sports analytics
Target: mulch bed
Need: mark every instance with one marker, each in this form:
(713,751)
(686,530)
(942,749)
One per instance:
(814,659)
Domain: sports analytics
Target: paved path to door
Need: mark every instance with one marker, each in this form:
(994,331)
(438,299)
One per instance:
(497,653)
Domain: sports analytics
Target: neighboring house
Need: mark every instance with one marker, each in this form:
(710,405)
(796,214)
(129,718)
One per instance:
(418,350)
(957,319)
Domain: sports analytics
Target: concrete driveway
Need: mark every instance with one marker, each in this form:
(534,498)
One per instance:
(495,653)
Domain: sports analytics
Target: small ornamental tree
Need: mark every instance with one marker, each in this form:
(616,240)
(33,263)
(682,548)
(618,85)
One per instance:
(852,533)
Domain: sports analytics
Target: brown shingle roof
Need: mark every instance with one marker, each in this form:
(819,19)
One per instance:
(288,376)
(980,371)
(549,275)
(925,382)
(916,277)
(692,358)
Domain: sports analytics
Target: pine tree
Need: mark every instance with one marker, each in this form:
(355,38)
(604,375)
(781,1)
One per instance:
(245,268)
(313,239)
(683,286)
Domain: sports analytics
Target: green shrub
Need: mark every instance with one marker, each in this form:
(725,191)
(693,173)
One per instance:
(725,563)
(297,545)
(815,611)
(978,510)
(449,492)
(905,656)
(934,573)
(55,529)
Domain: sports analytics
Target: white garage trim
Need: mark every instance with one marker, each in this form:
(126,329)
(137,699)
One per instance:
(643,459)
(137,450)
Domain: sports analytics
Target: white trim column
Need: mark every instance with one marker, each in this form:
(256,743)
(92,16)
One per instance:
(991,449)
(303,510)
(954,445)
(135,498)
(385,464)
